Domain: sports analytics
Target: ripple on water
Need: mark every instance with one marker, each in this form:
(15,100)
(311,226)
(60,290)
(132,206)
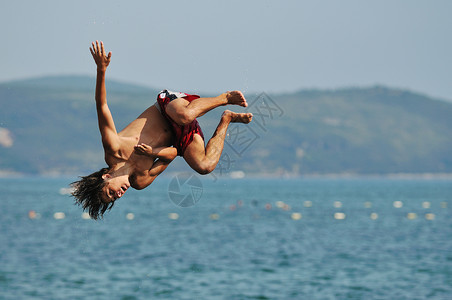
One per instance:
(3,278)
(163,292)
(268,270)
(128,297)
(194,268)
(254,297)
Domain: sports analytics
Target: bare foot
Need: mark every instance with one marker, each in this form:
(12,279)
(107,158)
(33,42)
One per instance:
(237,98)
(238,118)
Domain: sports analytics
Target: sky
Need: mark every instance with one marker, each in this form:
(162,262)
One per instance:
(253,46)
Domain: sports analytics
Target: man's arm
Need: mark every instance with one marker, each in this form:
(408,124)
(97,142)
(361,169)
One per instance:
(110,139)
(144,179)
(164,155)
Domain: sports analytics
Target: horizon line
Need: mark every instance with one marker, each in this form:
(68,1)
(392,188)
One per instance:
(292,91)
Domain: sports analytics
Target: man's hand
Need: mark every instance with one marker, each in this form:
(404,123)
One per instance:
(98,52)
(143,149)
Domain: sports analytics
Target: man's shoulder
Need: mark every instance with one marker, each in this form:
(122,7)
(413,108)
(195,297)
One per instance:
(111,157)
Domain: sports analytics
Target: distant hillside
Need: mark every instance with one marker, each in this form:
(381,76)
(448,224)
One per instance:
(48,125)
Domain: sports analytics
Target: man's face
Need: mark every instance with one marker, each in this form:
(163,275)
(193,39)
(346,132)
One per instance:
(114,188)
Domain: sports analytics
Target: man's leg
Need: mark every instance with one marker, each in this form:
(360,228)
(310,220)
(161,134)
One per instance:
(204,159)
(183,112)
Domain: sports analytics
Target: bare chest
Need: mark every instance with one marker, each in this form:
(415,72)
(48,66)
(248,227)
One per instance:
(149,128)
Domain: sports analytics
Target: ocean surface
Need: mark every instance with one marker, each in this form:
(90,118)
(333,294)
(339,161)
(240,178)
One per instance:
(207,238)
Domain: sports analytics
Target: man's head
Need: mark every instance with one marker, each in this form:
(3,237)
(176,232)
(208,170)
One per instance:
(114,187)
(89,192)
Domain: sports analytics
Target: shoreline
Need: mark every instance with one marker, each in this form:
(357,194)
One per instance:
(243,175)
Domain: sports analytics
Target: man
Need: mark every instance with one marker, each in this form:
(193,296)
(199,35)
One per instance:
(142,150)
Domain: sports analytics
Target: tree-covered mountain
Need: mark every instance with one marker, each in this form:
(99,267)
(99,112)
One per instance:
(48,125)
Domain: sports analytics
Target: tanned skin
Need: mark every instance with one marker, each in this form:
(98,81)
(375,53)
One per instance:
(142,150)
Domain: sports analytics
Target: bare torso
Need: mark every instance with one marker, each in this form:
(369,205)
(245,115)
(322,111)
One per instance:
(149,128)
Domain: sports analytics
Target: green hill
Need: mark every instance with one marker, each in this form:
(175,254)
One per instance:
(48,126)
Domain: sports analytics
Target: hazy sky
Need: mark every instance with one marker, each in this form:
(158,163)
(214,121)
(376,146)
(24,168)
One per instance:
(254,46)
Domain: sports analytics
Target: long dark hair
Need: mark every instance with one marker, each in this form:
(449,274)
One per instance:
(88,194)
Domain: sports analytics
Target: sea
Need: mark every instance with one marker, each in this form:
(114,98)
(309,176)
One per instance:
(193,237)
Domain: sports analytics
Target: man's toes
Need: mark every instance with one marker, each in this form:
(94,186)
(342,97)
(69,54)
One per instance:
(237,98)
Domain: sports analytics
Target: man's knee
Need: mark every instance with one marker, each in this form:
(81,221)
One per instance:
(182,117)
(205,169)
(180,113)
(185,117)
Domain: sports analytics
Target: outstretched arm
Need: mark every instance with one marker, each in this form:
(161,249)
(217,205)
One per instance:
(110,139)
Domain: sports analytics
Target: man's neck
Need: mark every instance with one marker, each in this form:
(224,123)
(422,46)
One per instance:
(122,169)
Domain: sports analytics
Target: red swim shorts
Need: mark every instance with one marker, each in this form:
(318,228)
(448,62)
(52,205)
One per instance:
(183,134)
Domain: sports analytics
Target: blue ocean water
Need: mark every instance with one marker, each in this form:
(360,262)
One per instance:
(243,239)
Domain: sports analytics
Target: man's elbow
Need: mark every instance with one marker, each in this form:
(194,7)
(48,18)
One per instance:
(171,155)
(109,145)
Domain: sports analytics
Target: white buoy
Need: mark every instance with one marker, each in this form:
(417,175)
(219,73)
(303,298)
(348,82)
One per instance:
(66,191)
(411,216)
(86,216)
(426,204)
(339,216)
(173,216)
(214,216)
(59,215)
(296,216)
(430,216)
(397,204)
(237,174)
(280,204)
